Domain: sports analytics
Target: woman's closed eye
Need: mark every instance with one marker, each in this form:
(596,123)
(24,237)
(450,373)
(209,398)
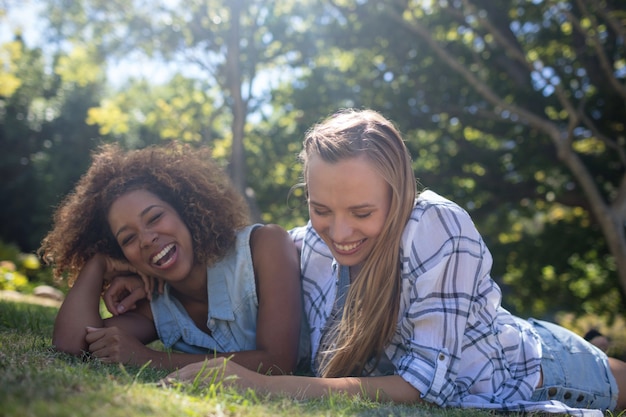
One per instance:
(127,239)
(321,212)
(357,214)
(155,217)
(131,236)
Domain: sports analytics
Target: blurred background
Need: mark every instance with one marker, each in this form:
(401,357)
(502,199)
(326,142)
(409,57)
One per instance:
(514,109)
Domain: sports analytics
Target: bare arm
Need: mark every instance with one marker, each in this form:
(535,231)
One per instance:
(277,271)
(376,388)
(81,309)
(380,388)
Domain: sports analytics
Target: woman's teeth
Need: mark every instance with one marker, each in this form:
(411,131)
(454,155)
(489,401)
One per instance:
(348,247)
(156,258)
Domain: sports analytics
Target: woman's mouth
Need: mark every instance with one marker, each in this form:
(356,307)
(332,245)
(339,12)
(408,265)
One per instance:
(347,248)
(165,257)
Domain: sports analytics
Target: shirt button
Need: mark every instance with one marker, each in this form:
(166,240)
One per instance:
(567,395)
(442,357)
(211,323)
(552,392)
(580,398)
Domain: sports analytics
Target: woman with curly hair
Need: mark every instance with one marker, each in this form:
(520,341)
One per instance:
(169,214)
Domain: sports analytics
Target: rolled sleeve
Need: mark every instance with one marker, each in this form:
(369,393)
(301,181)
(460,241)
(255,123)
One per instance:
(414,368)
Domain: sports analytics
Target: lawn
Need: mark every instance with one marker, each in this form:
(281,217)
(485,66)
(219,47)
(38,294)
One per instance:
(37,381)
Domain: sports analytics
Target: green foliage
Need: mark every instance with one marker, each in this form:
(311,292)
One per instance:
(79,67)
(274,170)
(469,146)
(46,146)
(222,46)
(21,271)
(10,278)
(9,78)
(144,113)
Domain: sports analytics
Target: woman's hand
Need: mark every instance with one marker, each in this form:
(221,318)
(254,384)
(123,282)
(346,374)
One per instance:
(113,268)
(217,370)
(111,345)
(123,293)
(148,283)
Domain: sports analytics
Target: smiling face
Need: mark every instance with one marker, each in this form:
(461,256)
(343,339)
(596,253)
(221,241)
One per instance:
(152,236)
(348,205)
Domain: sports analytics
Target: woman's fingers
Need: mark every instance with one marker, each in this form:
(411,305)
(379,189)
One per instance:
(112,345)
(130,301)
(123,294)
(205,370)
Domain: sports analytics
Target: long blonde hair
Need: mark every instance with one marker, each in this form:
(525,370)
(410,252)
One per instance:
(371,310)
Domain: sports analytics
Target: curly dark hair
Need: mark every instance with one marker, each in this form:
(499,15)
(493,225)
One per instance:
(186,178)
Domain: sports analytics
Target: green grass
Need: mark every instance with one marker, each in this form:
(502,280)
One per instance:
(37,381)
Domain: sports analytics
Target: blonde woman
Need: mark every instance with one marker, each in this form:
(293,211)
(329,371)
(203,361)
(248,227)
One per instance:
(399,298)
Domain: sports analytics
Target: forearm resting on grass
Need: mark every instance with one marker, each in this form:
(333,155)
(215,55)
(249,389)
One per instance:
(382,388)
(257,361)
(111,345)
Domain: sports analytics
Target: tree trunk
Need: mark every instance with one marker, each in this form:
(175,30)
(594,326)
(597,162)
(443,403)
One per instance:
(237,168)
(237,157)
(609,217)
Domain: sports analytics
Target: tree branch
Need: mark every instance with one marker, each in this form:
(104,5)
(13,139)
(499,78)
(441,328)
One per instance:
(606,66)
(619,29)
(480,86)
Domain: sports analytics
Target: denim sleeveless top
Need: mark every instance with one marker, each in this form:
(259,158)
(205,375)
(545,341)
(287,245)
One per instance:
(233,307)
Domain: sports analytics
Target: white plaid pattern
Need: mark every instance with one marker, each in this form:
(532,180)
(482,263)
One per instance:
(454,342)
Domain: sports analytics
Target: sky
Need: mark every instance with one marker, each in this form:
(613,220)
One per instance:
(23,17)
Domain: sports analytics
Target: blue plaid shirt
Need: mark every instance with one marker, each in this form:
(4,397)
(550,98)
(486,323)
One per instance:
(454,342)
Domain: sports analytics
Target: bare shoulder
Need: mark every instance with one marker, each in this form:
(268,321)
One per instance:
(268,235)
(271,243)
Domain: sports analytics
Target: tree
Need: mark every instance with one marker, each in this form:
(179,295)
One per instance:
(229,42)
(560,68)
(513,109)
(143,113)
(507,111)
(45,142)
(556,70)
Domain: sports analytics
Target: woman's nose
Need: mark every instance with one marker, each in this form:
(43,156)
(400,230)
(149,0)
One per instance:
(148,237)
(340,230)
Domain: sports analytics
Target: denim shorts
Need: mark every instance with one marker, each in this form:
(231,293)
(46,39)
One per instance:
(575,372)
